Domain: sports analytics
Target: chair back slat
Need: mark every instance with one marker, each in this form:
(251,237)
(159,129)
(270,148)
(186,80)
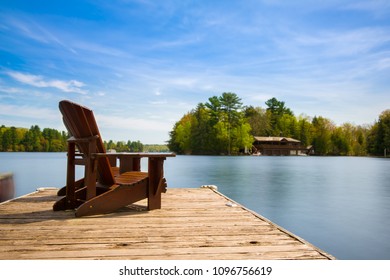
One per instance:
(80,123)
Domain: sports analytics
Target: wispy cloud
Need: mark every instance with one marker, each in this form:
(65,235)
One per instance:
(10,90)
(40,82)
(29,112)
(379,8)
(32,29)
(153,61)
(345,43)
(131,122)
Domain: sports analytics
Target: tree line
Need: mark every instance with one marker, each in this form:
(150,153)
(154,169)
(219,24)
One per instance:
(224,126)
(15,139)
(218,126)
(135,147)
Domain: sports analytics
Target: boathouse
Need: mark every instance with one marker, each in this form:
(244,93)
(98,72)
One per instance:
(279,146)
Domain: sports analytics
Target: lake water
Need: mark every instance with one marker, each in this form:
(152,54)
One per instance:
(339,204)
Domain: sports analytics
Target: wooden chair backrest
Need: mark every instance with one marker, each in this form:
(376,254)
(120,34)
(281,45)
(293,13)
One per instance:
(80,123)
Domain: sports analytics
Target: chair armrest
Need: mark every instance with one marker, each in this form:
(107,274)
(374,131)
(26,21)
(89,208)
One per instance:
(135,155)
(132,161)
(73,139)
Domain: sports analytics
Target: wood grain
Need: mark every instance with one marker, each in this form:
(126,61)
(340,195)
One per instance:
(192,224)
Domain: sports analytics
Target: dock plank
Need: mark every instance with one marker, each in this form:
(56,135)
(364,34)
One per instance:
(192,224)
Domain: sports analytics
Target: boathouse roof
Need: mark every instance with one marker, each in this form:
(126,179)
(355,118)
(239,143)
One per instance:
(275,139)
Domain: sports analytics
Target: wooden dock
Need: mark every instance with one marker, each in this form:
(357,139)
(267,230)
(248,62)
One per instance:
(192,224)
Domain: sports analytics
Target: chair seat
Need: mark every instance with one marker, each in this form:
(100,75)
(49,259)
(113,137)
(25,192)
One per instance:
(115,171)
(131,177)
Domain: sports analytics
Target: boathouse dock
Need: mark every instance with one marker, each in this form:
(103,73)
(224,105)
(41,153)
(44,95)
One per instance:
(192,224)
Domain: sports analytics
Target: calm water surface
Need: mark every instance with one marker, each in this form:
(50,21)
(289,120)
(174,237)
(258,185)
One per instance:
(340,204)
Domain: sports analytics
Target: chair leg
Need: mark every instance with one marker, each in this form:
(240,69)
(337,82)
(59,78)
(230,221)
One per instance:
(65,204)
(118,197)
(78,184)
(80,198)
(156,182)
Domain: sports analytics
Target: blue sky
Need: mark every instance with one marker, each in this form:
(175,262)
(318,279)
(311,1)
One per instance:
(142,64)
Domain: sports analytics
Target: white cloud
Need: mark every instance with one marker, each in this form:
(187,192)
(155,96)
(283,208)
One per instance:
(352,42)
(377,7)
(39,81)
(29,112)
(383,63)
(160,102)
(147,130)
(10,90)
(132,123)
(100,93)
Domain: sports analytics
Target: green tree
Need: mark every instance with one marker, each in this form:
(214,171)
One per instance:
(242,138)
(339,142)
(288,126)
(379,136)
(305,130)
(279,114)
(322,129)
(258,120)
(216,127)
(231,106)
(202,131)
(52,140)
(225,114)
(31,140)
(359,143)
(7,141)
(180,137)
(277,107)
(35,139)
(214,106)
(135,146)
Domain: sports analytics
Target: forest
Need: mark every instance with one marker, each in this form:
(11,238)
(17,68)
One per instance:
(223,125)
(13,139)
